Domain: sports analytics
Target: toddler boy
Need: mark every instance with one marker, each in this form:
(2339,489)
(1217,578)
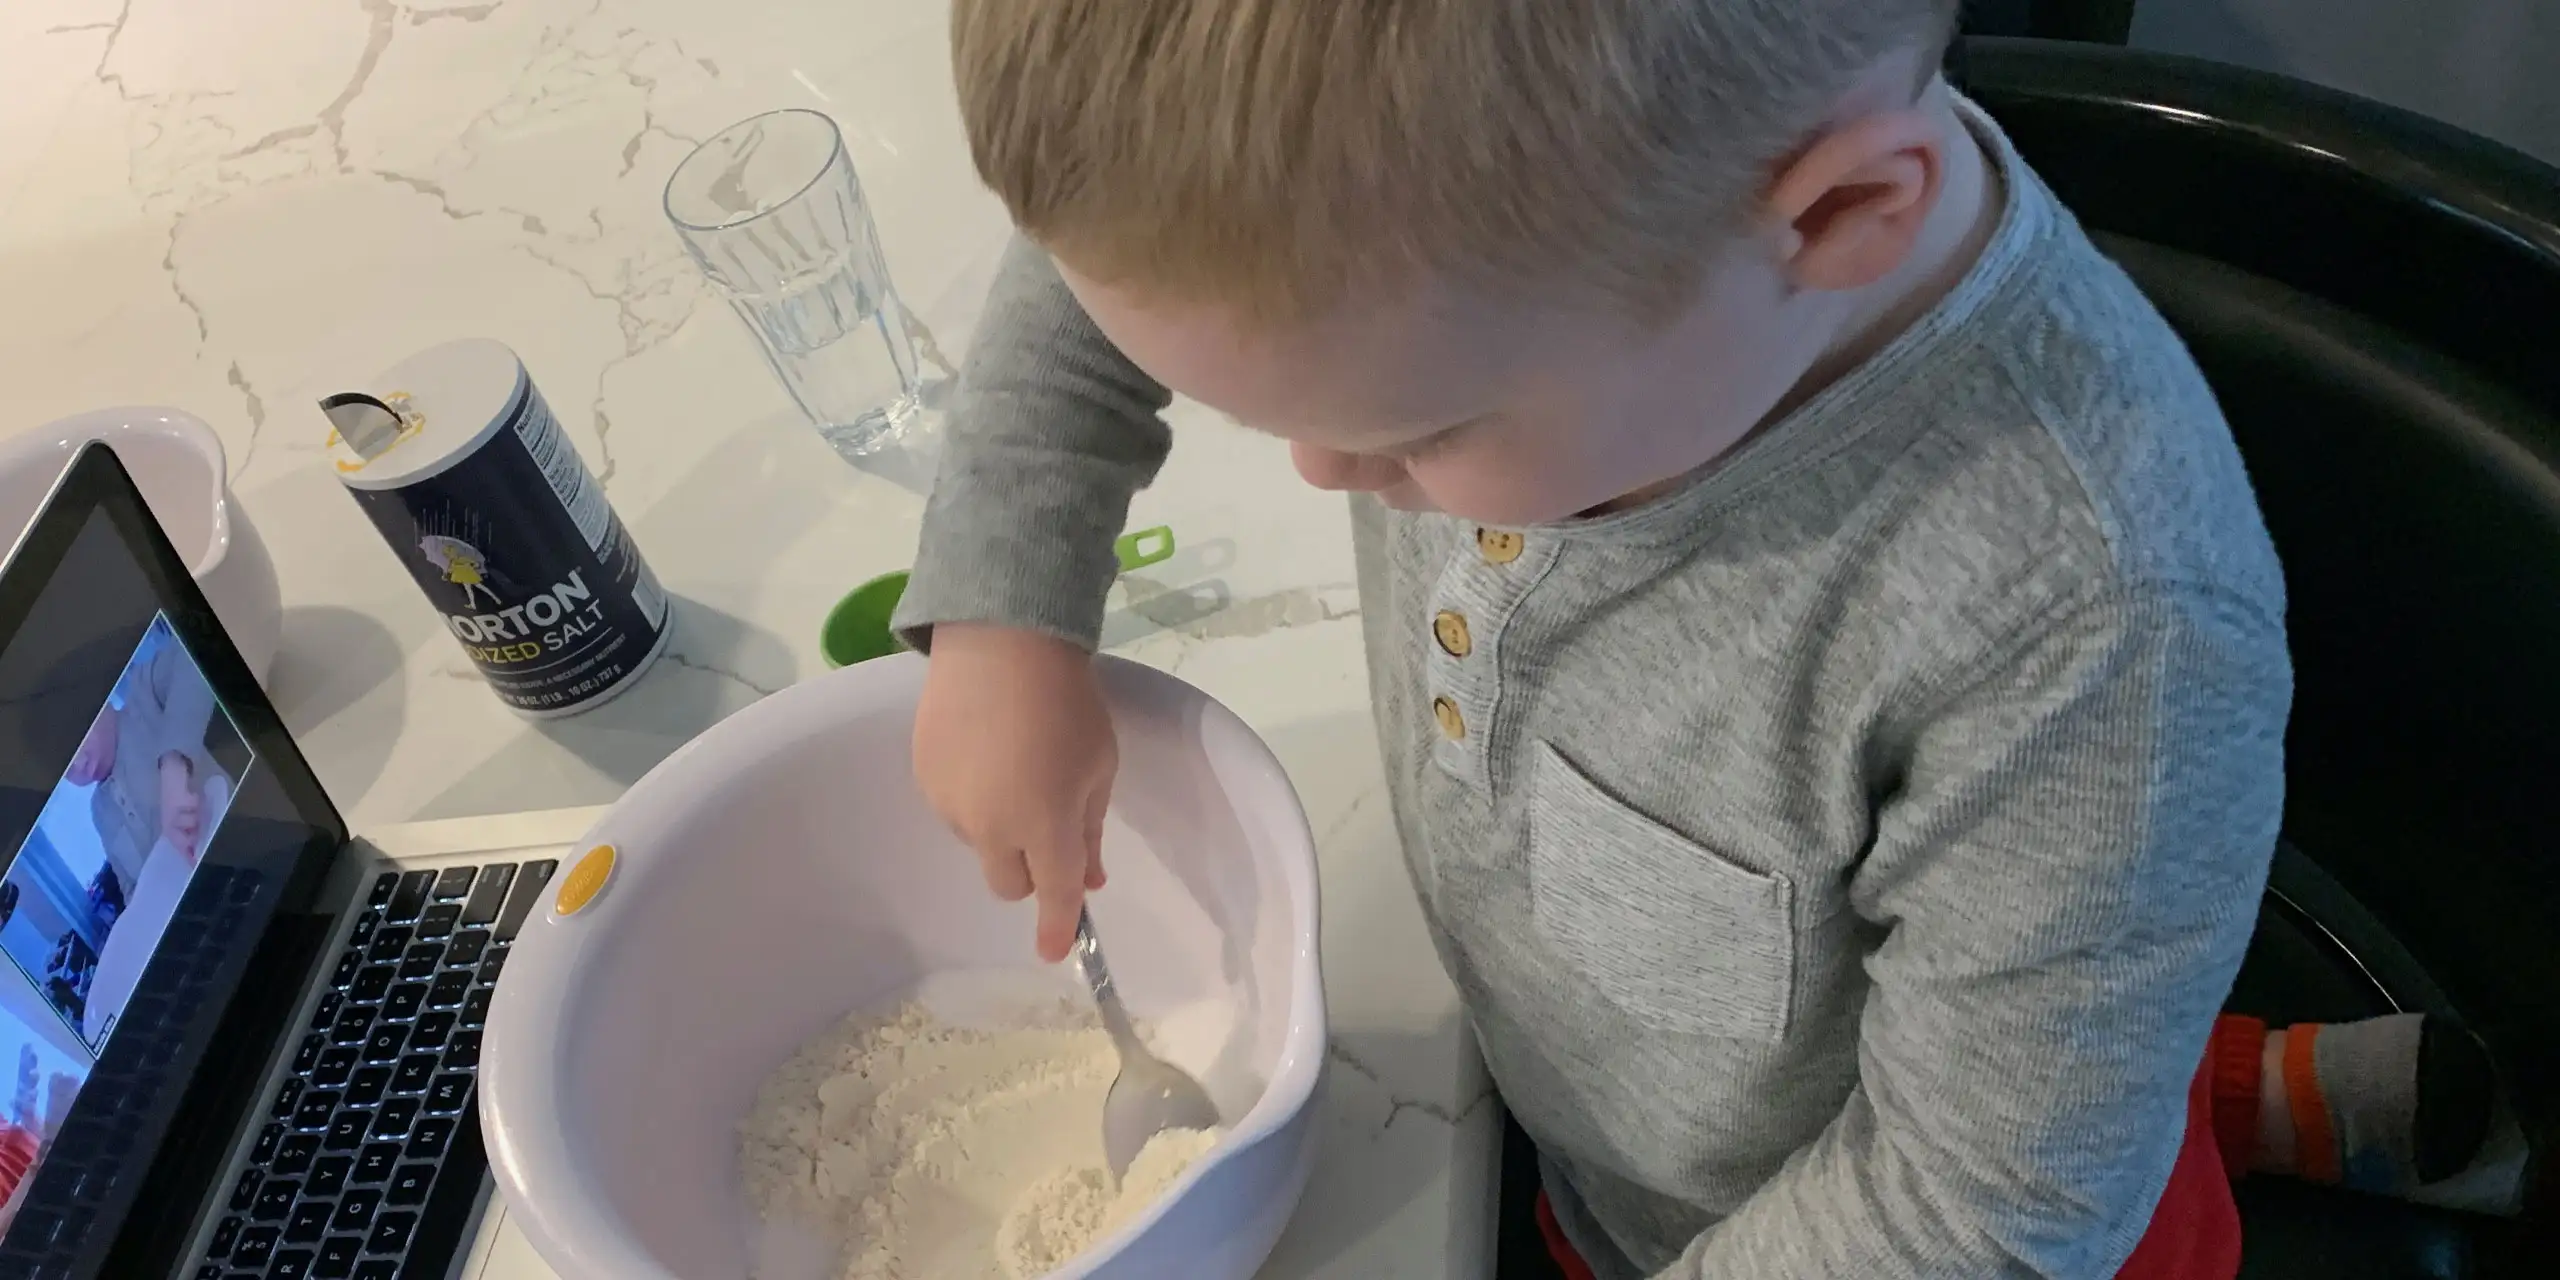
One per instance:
(1828,662)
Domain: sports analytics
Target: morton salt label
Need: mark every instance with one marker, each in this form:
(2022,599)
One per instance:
(456,459)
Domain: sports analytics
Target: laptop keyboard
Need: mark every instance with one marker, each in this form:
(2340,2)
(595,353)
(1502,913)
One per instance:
(376,1116)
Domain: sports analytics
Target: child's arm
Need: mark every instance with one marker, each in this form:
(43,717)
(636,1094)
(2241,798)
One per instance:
(1052,432)
(2070,871)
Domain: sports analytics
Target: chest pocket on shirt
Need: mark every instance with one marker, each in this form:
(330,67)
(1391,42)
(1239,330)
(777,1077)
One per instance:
(1672,933)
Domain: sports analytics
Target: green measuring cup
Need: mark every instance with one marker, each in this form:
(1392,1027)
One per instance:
(857,629)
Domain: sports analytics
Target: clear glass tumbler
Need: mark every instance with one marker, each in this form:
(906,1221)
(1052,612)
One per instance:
(773,213)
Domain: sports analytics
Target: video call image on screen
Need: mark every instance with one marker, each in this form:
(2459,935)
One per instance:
(87,895)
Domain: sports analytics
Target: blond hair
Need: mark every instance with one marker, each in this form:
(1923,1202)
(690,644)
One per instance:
(1272,155)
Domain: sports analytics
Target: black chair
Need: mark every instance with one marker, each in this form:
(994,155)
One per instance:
(2103,21)
(2376,298)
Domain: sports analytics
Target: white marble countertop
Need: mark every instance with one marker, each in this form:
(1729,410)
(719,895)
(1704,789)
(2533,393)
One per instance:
(235,207)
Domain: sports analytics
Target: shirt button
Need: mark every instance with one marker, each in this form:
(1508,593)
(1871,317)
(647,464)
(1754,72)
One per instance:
(1498,545)
(1450,629)
(1451,723)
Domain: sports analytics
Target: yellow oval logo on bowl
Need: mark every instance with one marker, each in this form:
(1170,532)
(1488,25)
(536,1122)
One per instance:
(585,880)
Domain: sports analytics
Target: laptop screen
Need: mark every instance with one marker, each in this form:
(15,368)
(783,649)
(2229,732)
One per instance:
(156,827)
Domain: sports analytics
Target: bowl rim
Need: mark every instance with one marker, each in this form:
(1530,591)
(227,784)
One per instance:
(64,437)
(570,1225)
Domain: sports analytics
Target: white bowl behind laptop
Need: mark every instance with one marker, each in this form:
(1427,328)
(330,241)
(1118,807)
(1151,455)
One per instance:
(781,871)
(177,461)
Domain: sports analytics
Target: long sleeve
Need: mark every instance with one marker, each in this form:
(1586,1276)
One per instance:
(2067,876)
(1051,434)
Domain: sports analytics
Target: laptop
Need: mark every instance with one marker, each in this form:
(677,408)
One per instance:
(234,1041)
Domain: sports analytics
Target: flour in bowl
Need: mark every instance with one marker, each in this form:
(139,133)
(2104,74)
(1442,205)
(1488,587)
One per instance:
(1064,1213)
(923,1151)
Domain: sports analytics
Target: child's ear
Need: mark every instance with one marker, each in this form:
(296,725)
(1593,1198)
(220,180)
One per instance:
(1849,207)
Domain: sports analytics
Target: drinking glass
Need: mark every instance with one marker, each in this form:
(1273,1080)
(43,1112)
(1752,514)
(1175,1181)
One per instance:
(771,210)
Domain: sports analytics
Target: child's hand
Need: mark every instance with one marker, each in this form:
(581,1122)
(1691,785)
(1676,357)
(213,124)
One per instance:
(1014,749)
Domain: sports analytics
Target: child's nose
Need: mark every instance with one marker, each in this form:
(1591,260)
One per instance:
(1347,472)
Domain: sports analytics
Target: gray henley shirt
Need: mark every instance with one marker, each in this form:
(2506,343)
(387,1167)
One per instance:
(1843,857)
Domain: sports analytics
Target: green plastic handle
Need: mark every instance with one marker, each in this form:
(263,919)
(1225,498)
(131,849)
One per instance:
(1143,547)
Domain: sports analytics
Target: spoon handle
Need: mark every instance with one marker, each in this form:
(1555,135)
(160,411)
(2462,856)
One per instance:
(1106,997)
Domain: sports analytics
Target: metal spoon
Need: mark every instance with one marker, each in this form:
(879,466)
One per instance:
(1151,1095)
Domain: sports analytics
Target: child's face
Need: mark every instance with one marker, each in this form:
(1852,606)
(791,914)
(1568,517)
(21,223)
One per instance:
(1502,413)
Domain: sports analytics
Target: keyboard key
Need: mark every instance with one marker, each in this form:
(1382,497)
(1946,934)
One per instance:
(378,1269)
(308,1056)
(335,1064)
(395,1117)
(431,1030)
(265,1149)
(455,883)
(326,1012)
(329,1176)
(354,1023)
(365,925)
(377,1163)
(293,1155)
(388,944)
(209,1271)
(391,1232)
(382,887)
(287,1098)
(421,961)
(406,999)
(427,1141)
(437,923)
(411,897)
(257,1245)
(527,893)
(462,1053)
(491,967)
(317,1106)
(489,897)
(355,1212)
(451,1094)
(367,1087)
(449,989)
(226,1233)
(346,970)
(275,1199)
(244,1193)
(412,1183)
(309,1222)
(370,985)
(346,1131)
(417,1072)
(475,1008)
(385,1043)
(337,1260)
(466,948)
(291,1264)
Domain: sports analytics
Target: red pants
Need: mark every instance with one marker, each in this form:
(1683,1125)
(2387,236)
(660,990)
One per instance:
(2195,1231)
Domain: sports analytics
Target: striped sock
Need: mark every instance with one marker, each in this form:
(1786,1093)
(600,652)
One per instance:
(2384,1105)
